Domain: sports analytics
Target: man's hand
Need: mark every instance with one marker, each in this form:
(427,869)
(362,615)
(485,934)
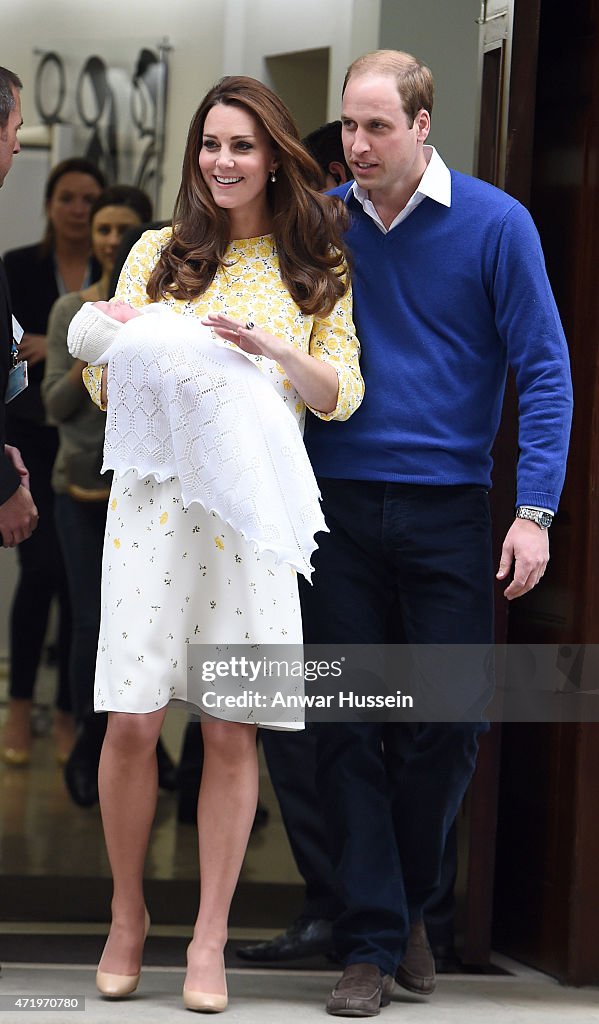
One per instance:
(18,518)
(33,348)
(13,455)
(528,545)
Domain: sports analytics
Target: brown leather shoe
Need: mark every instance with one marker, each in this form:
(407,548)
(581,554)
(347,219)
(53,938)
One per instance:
(416,972)
(358,993)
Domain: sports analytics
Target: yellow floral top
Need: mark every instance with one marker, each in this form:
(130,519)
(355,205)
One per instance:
(251,289)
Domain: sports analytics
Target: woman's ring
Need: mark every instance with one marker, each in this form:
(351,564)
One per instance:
(250,326)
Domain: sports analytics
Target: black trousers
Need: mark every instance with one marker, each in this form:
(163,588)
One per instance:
(390,791)
(42,573)
(80,526)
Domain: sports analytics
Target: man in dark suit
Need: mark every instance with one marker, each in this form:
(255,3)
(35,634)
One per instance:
(18,514)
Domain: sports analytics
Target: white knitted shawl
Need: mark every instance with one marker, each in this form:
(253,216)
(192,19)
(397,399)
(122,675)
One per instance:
(182,404)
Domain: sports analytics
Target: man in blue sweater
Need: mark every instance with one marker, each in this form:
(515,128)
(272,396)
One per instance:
(449,288)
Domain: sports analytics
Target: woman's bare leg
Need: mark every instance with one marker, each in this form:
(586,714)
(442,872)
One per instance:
(226,809)
(128,784)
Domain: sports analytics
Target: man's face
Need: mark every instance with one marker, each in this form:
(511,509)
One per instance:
(384,153)
(9,143)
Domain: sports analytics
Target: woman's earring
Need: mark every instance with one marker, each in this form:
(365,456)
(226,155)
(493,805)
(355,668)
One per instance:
(273,176)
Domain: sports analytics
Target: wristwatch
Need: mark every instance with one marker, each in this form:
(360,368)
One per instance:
(536,515)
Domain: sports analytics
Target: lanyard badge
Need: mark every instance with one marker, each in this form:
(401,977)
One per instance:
(17,376)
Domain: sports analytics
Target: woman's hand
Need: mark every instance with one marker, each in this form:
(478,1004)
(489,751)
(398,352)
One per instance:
(249,338)
(314,380)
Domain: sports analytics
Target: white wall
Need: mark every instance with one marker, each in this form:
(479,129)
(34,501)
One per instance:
(116,30)
(260,28)
(444,34)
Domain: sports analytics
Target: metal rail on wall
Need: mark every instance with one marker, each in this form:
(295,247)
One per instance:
(119,116)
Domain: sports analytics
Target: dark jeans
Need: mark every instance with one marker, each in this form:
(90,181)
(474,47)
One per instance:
(391,791)
(291,760)
(42,573)
(81,526)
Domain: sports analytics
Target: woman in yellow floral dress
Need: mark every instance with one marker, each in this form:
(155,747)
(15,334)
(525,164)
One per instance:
(257,254)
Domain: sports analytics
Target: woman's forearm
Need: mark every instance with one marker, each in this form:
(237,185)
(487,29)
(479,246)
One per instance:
(314,380)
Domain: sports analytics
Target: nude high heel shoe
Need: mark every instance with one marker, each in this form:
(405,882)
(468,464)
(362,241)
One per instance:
(117,986)
(204,1002)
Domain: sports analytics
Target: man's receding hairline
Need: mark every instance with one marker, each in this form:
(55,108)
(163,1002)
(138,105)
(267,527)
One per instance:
(376,73)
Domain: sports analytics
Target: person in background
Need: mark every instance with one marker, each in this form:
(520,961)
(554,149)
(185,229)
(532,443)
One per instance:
(18,514)
(37,275)
(325,145)
(81,492)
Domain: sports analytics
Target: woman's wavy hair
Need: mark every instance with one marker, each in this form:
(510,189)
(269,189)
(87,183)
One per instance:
(307,226)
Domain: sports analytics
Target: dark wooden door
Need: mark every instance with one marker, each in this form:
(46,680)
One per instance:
(547,876)
(508,35)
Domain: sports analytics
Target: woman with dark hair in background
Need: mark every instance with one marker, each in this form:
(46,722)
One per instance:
(37,276)
(81,493)
(256,253)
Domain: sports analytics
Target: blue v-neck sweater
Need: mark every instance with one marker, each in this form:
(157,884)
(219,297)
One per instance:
(442,303)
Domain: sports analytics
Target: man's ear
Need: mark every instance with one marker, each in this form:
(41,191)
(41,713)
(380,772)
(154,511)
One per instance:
(422,121)
(338,172)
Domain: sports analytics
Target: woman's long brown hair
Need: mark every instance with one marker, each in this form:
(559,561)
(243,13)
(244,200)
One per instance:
(307,226)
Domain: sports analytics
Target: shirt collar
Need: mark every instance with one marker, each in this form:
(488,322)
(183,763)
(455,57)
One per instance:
(434,184)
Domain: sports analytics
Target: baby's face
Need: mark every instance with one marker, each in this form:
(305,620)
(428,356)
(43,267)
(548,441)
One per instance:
(120,311)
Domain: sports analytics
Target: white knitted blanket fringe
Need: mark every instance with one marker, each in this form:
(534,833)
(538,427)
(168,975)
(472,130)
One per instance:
(182,404)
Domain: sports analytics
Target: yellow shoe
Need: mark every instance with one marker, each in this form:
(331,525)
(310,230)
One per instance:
(16,735)
(16,758)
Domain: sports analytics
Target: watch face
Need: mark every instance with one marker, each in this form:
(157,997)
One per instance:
(542,519)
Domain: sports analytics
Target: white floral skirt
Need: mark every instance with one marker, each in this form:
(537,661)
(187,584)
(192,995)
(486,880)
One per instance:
(173,577)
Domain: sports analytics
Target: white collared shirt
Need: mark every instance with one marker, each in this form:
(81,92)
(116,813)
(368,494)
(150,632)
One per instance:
(435,184)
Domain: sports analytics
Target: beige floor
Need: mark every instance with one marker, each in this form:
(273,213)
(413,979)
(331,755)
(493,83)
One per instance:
(263,997)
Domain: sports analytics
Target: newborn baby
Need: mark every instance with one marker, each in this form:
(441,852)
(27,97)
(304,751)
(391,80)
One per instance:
(117,310)
(182,404)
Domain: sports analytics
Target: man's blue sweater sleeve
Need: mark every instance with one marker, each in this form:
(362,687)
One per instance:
(529,324)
